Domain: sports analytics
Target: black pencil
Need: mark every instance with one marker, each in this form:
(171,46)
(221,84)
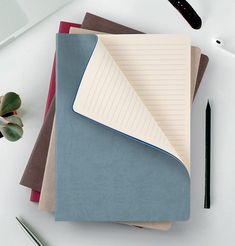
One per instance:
(207,156)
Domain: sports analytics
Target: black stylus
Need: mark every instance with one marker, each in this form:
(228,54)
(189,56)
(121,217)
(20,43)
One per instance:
(187,12)
(207,156)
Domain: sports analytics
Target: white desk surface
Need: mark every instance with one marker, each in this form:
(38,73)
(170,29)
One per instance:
(25,67)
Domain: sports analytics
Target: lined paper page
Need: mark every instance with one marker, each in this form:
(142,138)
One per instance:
(158,68)
(106,96)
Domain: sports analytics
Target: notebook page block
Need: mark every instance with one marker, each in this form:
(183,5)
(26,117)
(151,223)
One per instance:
(158,68)
(106,96)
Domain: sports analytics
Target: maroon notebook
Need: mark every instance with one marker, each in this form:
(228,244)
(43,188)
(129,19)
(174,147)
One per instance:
(96,23)
(64,28)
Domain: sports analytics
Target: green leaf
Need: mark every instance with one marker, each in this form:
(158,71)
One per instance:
(14,120)
(12,132)
(9,103)
(3,122)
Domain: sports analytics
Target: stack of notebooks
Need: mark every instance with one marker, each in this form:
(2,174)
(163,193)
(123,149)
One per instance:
(115,142)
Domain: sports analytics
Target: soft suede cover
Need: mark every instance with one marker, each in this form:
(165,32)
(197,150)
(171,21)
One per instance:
(102,175)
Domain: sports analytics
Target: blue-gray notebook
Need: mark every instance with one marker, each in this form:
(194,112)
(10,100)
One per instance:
(101,174)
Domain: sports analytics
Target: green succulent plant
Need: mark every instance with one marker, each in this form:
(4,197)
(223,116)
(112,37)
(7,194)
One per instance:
(10,124)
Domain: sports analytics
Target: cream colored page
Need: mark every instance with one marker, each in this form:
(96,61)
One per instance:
(159,71)
(140,89)
(75,30)
(163,226)
(106,96)
(47,197)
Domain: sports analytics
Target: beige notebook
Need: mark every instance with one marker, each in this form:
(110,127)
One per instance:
(47,195)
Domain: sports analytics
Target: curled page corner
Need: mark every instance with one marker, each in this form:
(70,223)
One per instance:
(99,97)
(108,94)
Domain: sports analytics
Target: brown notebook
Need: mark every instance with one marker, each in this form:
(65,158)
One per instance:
(99,24)
(34,171)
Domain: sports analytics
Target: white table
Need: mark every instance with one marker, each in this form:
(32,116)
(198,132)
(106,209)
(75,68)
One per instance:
(25,67)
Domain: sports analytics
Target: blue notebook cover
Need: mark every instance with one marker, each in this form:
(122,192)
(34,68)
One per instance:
(102,175)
